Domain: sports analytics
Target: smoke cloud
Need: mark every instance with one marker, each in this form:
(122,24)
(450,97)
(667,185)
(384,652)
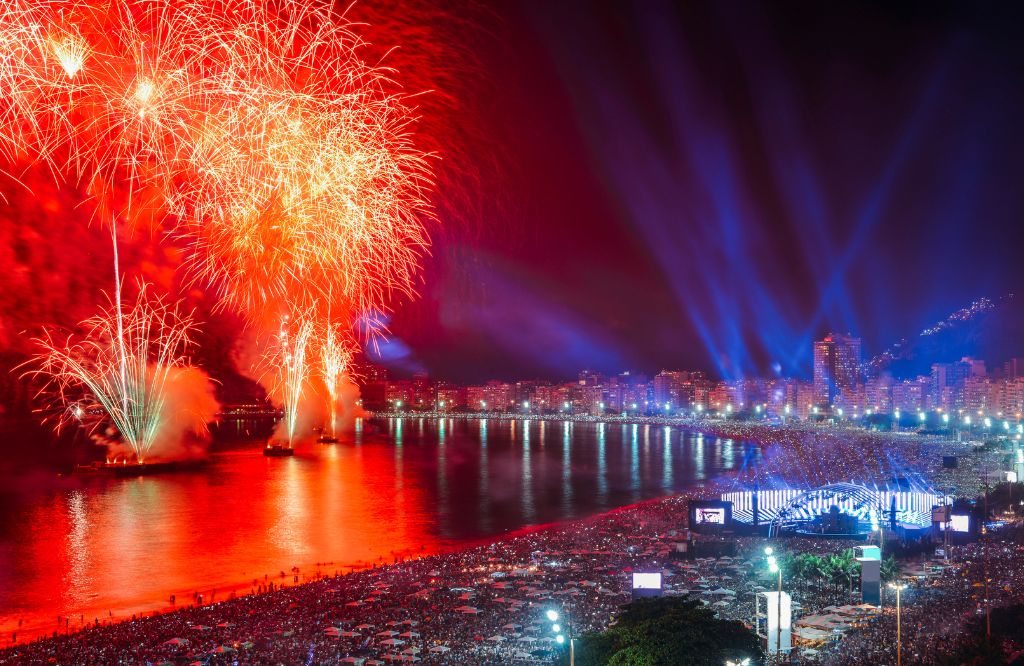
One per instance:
(190,405)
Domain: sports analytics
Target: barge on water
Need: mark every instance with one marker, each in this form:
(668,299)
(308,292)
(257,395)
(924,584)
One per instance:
(275,449)
(128,468)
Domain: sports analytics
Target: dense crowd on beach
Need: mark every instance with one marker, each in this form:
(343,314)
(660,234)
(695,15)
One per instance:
(488,604)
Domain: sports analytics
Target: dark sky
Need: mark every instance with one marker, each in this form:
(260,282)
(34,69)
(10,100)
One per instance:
(713,185)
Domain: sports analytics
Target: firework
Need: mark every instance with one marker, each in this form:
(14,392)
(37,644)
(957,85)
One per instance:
(117,370)
(286,362)
(336,350)
(252,128)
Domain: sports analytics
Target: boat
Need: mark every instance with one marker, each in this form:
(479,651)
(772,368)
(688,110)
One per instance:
(326,439)
(128,468)
(278,450)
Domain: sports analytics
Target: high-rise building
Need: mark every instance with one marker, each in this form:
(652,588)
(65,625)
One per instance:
(947,382)
(836,367)
(1014,368)
(878,394)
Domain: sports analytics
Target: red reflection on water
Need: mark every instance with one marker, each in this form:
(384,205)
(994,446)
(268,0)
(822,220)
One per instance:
(125,545)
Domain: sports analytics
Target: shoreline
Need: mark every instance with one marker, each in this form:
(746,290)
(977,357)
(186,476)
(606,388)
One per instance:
(714,427)
(541,562)
(310,573)
(43,630)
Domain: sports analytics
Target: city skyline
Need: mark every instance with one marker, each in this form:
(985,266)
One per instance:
(952,394)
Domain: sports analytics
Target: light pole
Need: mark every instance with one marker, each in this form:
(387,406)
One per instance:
(553,616)
(773,566)
(899,644)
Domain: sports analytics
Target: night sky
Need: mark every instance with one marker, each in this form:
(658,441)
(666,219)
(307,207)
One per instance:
(713,185)
(643,186)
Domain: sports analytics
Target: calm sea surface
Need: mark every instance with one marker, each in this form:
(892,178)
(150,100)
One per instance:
(95,545)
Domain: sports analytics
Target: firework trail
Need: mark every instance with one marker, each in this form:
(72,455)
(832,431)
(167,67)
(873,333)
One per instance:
(286,363)
(119,369)
(336,351)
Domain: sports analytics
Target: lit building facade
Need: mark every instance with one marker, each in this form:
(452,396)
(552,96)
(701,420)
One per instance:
(837,361)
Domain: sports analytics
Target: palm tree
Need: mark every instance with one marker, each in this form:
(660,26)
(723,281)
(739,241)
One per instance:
(890,571)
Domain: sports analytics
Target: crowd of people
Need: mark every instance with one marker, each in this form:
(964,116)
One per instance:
(488,604)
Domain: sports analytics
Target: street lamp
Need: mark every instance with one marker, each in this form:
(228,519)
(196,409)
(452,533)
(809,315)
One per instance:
(899,644)
(773,566)
(553,617)
(745,662)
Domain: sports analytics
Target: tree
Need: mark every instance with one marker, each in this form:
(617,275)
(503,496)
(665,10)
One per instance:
(890,570)
(669,630)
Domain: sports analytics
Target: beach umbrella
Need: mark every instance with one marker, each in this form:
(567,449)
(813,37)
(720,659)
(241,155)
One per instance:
(176,641)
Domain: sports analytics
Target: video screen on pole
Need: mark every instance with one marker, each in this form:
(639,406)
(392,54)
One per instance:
(646,581)
(710,516)
(961,523)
